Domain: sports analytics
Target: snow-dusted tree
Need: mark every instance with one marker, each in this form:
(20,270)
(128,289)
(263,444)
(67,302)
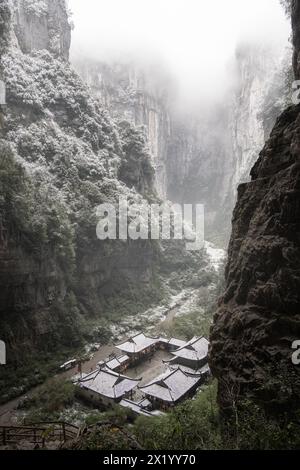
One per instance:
(287,6)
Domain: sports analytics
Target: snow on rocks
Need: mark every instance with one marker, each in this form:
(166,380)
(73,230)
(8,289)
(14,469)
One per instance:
(217,255)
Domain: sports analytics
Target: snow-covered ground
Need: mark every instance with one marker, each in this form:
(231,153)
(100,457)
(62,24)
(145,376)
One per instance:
(178,305)
(145,321)
(217,255)
(189,305)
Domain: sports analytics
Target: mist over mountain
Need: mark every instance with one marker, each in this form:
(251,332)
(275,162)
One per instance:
(202,99)
(177,37)
(131,339)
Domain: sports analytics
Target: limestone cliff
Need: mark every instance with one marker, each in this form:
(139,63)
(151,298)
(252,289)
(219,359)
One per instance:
(61,156)
(262,91)
(42,24)
(197,159)
(259,315)
(129,93)
(210,156)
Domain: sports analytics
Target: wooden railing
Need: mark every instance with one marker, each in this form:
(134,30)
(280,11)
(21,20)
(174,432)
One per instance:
(38,434)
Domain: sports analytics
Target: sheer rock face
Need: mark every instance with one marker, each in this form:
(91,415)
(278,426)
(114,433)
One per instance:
(71,152)
(198,159)
(259,315)
(42,24)
(296,36)
(129,94)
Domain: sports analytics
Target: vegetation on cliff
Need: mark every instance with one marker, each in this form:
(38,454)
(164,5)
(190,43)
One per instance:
(197,425)
(62,156)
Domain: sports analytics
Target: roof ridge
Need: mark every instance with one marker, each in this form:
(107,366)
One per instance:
(171,395)
(163,384)
(195,339)
(130,339)
(162,379)
(173,371)
(138,334)
(190,374)
(189,344)
(87,377)
(115,374)
(110,372)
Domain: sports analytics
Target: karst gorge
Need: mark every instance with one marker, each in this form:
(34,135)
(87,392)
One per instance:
(197,345)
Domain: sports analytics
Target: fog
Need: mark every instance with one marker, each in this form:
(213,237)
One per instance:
(194,40)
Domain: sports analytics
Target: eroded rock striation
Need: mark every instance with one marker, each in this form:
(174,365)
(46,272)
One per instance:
(259,315)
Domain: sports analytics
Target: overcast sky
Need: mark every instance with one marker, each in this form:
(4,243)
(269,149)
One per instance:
(195,39)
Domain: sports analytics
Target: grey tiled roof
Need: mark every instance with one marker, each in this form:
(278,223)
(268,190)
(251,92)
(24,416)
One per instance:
(108,383)
(171,386)
(116,362)
(194,350)
(173,364)
(137,344)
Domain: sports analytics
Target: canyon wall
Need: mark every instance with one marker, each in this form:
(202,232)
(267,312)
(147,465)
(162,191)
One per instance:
(259,315)
(61,156)
(203,158)
(209,157)
(130,94)
(42,24)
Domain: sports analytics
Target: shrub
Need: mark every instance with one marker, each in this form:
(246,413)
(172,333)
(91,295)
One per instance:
(190,426)
(49,400)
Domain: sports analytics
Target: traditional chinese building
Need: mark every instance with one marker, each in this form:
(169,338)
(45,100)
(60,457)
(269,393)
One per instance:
(139,409)
(139,347)
(194,354)
(171,344)
(171,388)
(104,387)
(116,363)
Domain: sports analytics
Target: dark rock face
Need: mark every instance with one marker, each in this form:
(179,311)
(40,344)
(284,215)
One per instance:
(259,315)
(296,36)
